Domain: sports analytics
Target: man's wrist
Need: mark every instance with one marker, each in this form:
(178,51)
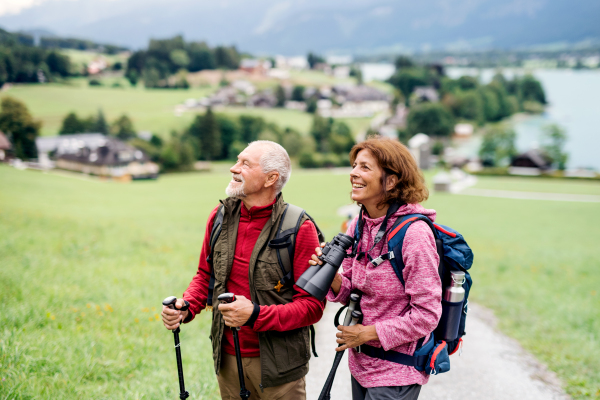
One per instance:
(253,316)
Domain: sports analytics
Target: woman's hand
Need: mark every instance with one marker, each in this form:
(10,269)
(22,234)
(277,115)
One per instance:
(353,336)
(337,280)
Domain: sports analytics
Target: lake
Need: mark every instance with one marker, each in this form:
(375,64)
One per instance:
(573,103)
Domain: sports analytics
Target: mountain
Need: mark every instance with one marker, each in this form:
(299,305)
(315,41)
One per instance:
(334,26)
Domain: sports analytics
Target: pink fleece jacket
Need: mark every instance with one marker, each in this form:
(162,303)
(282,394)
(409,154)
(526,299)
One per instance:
(401,315)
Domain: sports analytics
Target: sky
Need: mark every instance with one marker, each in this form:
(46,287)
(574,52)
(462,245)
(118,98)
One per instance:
(297,26)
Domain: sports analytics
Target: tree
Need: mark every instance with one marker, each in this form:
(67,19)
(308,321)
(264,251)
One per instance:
(132,76)
(311,105)
(430,118)
(531,90)
(100,125)
(466,82)
(208,133)
(180,58)
(341,140)
(280,96)
(251,127)
(298,93)
(555,138)
(123,128)
(407,79)
(230,132)
(498,146)
(470,106)
(403,62)
(58,64)
(19,126)
(71,124)
(313,60)
(321,131)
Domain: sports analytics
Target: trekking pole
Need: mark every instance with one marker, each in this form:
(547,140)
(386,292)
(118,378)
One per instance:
(353,316)
(170,302)
(244,393)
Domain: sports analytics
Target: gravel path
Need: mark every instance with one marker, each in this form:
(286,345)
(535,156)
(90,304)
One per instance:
(511,194)
(492,366)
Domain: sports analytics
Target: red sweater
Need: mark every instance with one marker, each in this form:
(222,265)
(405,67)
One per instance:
(304,309)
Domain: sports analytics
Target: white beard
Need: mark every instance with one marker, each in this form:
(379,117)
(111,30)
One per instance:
(231,191)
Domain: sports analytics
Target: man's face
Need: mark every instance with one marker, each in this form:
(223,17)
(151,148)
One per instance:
(247,176)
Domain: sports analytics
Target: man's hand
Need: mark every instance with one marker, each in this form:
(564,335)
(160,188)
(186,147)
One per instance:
(353,336)
(237,313)
(173,318)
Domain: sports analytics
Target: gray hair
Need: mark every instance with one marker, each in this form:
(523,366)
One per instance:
(275,158)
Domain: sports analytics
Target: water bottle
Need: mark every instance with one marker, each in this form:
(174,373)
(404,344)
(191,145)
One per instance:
(452,306)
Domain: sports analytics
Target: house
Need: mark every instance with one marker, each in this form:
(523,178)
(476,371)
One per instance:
(97,154)
(4,147)
(425,93)
(264,99)
(359,93)
(463,131)
(532,162)
(420,147)
(254,66)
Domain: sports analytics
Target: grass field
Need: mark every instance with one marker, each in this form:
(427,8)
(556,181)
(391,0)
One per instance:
(85,265)
(150,109)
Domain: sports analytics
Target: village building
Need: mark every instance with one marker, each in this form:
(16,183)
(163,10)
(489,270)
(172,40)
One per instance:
(532,162)
(5,147)
(96,154)
(425,93)
(420,147)
(463,131)
(254,66)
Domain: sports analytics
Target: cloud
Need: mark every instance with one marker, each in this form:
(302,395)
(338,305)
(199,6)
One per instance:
(272,16)
(381,11)
(8,7)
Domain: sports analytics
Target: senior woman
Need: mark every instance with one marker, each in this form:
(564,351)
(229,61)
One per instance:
(387,182)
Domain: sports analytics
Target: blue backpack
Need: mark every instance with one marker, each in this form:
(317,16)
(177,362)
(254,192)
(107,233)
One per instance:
(455,255)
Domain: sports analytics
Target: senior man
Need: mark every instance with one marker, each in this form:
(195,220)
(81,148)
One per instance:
(274,319)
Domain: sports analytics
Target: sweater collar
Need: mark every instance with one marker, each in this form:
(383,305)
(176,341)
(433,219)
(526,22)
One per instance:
(258,211)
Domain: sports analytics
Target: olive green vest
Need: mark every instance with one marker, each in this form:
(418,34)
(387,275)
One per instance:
(283,355)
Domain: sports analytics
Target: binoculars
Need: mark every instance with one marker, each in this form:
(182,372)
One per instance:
(317,279)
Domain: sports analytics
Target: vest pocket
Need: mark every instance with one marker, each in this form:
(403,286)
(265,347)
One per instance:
(267,273)
(291,349)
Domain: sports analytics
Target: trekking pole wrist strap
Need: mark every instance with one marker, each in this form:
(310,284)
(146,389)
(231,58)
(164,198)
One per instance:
(254,316)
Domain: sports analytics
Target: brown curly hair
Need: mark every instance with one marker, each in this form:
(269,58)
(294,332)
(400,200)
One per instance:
(395,159)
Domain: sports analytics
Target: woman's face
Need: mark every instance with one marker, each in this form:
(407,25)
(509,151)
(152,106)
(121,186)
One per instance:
(366,179)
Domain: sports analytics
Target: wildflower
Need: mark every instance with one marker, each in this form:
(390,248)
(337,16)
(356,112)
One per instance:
(107,307)
(156,317)
(150,319)
(145,309)
(98,308)
(136,320)
(52,317)
(88,305)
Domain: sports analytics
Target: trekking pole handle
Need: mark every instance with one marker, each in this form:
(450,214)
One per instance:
(170,303)
(352,305)
(226,298)
(356,317)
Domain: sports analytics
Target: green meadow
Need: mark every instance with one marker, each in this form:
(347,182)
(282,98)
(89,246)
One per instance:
(149,109)
(85,264)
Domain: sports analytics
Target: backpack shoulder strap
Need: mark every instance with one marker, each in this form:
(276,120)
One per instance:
(214,235)
(396,240)
(285,241)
